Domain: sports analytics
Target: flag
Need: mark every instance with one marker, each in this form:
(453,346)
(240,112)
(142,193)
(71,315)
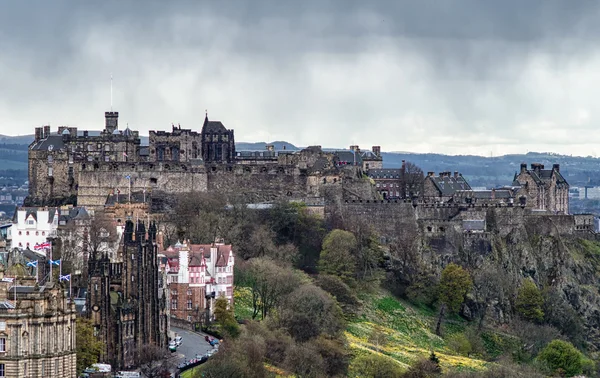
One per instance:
(44,245)
(124,154)
(54,262)
(32,263)
(8,279)
(65,278)
(128,177)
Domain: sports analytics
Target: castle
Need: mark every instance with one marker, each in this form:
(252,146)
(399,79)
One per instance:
(86,167)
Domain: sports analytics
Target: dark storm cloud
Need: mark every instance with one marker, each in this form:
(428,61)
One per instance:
(448,76)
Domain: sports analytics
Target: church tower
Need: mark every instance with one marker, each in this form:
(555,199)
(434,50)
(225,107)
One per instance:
(218,143)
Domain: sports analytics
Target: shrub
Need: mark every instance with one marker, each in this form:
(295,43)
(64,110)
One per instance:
(529,302)
(562,356)
(423,368)
(339,290)
(459,343)
(376,366)
(305,361)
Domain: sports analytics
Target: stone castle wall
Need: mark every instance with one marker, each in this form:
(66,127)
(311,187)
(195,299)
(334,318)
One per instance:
(95,185)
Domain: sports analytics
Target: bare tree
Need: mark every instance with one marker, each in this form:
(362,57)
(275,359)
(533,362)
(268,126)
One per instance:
(154,361)
(412,180)
(101,235)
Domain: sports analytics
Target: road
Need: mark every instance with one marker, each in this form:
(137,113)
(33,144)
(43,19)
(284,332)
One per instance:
(193,343)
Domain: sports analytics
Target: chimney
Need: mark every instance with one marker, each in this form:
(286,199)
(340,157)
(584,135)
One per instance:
(377,151)
(270,147)
(112,121)
(284,146)
(430,174)
(73,131)
(493,194)
(46,132)
(403,166)
(354,148)
(455,174)
(39,132)
(523,167)
(556,167)
(85,133)
(536,167)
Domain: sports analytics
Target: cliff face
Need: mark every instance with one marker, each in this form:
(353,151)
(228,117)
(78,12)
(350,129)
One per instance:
(566,267)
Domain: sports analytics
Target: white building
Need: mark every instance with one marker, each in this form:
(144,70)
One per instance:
(32,225)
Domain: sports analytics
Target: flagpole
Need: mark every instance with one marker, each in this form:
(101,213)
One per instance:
(50,263)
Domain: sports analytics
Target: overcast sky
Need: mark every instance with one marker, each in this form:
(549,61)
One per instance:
(479,77)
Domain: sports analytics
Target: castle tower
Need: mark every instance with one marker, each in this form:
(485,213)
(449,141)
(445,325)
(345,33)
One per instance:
(112,121)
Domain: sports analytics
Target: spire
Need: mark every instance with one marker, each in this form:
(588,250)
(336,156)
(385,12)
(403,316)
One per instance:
(205,125)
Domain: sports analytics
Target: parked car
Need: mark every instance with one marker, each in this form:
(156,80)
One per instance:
(178,340)
(172,346)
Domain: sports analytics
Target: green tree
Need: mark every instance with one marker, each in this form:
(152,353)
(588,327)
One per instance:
(376,366)
(338,254)
(562,357)
(89,347)
(225,317)
(529,302)
(309,311)
(454,286)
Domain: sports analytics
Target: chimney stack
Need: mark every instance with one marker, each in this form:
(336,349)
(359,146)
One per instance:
(46,133)
(493,193)
(377,151)
(523,167)
(455,174)
(39,132)
(270,147)
(556,167)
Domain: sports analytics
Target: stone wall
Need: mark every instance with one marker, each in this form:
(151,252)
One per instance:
(96,185)
(257,183)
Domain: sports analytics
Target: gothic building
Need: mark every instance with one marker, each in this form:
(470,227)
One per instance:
(218,144)
(126,299)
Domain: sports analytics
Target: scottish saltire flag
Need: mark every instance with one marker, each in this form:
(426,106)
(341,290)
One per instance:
(8,279)
(128,177)
(65,278)
(54,262)
(32,263)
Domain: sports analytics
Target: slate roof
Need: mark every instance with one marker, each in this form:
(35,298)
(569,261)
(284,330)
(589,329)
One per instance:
(348,157)
(369,155)
(487,194)
(53,142)
(197,251)
(385,173)
(213,126)
(5,305)
(448,185)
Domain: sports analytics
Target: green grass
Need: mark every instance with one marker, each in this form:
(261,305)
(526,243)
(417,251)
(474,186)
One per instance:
(243,303)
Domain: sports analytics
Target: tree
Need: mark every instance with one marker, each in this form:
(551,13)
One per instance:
(269,283)
(102,235)
(376,366)
(154,361)
(308,312)
(454,286)
(338,254)
(529,302)
(305,361)
(339,290)
(488,284)
(562,357)
(412,180)
(225,317)
(242,357)
(368,253)
(89,347)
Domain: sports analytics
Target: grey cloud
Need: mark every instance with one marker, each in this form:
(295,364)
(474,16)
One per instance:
(444,76)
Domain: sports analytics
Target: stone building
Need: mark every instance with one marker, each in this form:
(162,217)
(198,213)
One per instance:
(388,182)
(55,160)
(442,188)
(126,298)
(218,143)
(543,189)
(194,272)
(37,331)
(178,145)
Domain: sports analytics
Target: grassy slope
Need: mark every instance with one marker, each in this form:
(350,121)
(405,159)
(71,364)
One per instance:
(406,331)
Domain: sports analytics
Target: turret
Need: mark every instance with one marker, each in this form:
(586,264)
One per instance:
(112,121)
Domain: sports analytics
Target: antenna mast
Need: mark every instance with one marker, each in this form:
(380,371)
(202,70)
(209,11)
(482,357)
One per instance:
(111,92)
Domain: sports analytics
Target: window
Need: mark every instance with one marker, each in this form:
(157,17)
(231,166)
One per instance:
(43,368)
(20,233)
(43,233)
(27,233)
(25,369)
(189,291)
(174,304)
(2,326)
(37,233)
(49,171)
(189,304)
(30,222)
(2,374)
(2,344)
(189,318)
(229,291)
(56,368)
